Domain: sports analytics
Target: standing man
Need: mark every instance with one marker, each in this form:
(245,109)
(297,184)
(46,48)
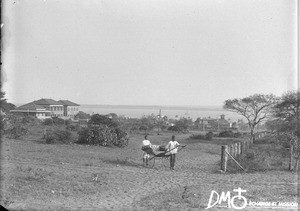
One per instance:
(172,149)
(145,145)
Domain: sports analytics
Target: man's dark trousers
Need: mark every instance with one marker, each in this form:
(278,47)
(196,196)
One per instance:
(172,161)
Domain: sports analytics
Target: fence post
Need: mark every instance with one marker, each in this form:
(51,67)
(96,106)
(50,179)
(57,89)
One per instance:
(242,147)
(238,148)
(235,149)
(291,158)
(231,149)
(224,158)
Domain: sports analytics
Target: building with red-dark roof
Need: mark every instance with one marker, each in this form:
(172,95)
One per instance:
(56,108)
(46,108)
(211,124)
(70,108)
(32,109)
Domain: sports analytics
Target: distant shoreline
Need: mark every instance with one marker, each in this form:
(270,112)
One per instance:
(138,111)
(200,108)
(154,107)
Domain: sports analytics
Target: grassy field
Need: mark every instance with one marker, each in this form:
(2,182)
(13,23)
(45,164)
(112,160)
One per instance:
(39,176)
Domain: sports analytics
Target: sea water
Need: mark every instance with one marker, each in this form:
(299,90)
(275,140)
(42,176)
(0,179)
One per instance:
(170,112)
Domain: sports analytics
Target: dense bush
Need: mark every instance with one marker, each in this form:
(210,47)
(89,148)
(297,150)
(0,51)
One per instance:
(16,132)
(174,128)
(229,134)
(1,126)
(197,137)
(134,128)
(48,121)
(72,127)
(14,126)
(57,136)
(58,121)
(122,138)
(226,134)
(30,120)
(207,136)
(143,128)
(237,135)
(103,135)
(82,115)
(98,119)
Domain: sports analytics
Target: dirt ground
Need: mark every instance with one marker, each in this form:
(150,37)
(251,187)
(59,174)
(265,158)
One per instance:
(38,176)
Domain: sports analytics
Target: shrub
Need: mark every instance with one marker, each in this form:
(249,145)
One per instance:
(71,127)
(57,136)
(14,126)
(134,128)
(226,134)
(209,136)
(29,120)
(58,121)
(98,119)
(122,138)
(16,132)
(103,135)
(237,135)
(82,115)
(198,137)
(2,119)
(67,122)
(143,127)
(174,128)
(48,121)
(163,127)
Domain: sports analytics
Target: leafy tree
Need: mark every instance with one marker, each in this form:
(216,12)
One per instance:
(103,130)
(82,115)
(4,105)
(174,128)
(114,116)
(183,124)
(286,112)
(148,121)
(103,135)
(143,128)
(14,127)
(286,120)
(255,108)
(98,119)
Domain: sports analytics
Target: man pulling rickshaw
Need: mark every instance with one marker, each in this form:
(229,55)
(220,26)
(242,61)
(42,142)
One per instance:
(153,151)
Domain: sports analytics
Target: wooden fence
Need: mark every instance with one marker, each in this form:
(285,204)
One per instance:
(232,151)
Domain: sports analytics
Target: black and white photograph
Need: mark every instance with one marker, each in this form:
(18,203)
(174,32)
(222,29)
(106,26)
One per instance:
(149,105)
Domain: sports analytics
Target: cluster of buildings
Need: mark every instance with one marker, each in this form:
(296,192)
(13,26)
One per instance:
(47,108)
(211,124)
(219,124)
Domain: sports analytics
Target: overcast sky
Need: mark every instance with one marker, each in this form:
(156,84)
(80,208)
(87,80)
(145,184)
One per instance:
(142,52)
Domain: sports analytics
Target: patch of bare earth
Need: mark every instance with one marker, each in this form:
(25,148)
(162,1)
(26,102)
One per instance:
(37,176)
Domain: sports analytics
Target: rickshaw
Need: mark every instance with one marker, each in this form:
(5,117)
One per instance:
(156,151)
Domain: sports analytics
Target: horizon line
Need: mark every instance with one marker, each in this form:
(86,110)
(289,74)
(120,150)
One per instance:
(144,105)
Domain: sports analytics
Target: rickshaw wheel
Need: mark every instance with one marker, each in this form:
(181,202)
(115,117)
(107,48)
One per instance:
(151,162)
